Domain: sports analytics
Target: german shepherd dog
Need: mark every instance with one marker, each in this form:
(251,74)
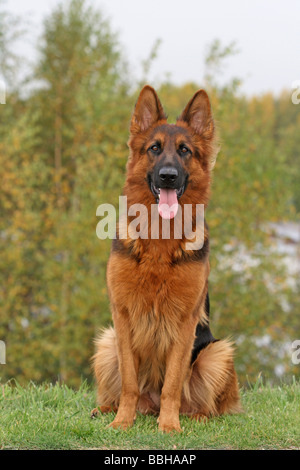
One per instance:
(161,357)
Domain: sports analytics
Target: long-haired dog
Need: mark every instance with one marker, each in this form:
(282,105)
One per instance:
(161,357)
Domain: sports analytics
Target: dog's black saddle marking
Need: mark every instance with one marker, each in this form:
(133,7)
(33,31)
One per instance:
(203,335)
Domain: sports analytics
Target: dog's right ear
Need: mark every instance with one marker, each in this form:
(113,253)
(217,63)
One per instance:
(148,110)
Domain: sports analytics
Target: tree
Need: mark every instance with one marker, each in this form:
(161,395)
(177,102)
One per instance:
(75,127)
(10,31)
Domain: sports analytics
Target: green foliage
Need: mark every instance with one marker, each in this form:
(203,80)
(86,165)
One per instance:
(63,152)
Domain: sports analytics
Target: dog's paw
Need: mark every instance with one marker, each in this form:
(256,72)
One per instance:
(169,426)
(121,424)
(94,413)
(103,409)
(200,417)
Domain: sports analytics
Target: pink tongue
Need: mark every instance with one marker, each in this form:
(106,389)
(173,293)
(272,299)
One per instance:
(168,203)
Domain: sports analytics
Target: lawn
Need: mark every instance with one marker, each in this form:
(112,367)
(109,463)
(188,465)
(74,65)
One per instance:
(57,417)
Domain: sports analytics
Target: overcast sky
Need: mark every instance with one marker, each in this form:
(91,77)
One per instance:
(267,33)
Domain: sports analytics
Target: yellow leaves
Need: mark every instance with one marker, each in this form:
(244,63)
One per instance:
(256,185)
(16,143)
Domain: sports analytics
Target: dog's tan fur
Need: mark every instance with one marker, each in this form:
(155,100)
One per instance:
(144,362)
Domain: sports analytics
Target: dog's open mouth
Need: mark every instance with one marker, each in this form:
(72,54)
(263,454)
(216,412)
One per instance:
(167,200)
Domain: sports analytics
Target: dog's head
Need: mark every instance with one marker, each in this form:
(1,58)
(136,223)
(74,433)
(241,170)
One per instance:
(171,161)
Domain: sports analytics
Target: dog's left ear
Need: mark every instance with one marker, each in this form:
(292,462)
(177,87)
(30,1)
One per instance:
(148,110)
(198,115)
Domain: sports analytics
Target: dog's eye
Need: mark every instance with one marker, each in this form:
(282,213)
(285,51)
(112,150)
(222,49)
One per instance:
(184,149)
(155,148)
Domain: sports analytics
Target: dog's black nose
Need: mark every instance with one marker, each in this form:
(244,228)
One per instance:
(168,175)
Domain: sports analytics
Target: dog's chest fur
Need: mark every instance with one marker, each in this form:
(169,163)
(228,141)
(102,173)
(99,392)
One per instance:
(155,314)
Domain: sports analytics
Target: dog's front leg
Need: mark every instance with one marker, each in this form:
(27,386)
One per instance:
(128,365)
(178,361)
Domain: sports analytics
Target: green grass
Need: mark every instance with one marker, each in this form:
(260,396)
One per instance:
(57,417)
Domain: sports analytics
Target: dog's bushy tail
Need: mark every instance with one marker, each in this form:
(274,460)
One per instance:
(106,368)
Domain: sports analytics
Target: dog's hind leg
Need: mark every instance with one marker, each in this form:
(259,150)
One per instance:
(212,388)
(106,371)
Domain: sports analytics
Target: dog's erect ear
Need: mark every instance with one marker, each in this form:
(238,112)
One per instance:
(148,110)
(198,115)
